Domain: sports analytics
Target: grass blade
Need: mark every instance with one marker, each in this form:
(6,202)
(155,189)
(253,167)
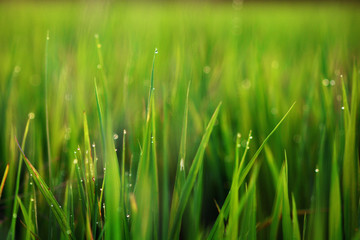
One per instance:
(190,181)
(49,197)
(4,179)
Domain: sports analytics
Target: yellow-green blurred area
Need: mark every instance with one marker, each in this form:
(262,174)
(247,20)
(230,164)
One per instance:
(257,58)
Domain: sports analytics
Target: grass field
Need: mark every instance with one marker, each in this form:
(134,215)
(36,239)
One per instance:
(155,121)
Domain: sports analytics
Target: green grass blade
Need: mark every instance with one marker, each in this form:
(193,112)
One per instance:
(286,217)
(242,176)
(49,197)
(190,180)
(335,215)
(180,176)
(11,234)
(295,222)
(4,179)
(278,206)
(350,166)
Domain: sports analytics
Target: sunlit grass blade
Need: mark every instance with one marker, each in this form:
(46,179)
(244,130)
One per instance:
(49,197)
(180,176)
(190,180)
(165,171)
(4,179)
(350,165)
(145,221)
(11,234)
(233,223)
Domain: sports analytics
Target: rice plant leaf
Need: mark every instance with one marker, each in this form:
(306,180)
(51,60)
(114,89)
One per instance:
(191,178)
(11,234)
(278,205)
(286,218)
(350,166)
(4,179)
(225,208)
(49,197)
(335,215)
(180,170)
(27,218)
(295,222)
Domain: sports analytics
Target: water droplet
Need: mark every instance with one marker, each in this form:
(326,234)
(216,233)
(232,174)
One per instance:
(115,136)
(156,51)
(78,148)
(325,82)
(316,170)
(31,199)
(30,174)
(59,206)
(31,115)
(128,215)
(97,223)
(342,108)
(182,165)
(52,205)
(93,145)
(81,180)
(251,137)
(75,161)
(332,82)
(152,141)
(31,183)
(100,189)
(104,169)
(207,69)
(153,89)
(341,75)
(115,149)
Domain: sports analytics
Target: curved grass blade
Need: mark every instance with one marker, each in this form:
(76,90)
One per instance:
(4,179)
(49,197)
(225,208)
(191,178)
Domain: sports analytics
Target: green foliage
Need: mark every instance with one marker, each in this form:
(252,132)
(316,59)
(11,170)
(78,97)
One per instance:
(181,169)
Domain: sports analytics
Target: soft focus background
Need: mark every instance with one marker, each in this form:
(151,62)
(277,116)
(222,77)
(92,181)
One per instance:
(257,58)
